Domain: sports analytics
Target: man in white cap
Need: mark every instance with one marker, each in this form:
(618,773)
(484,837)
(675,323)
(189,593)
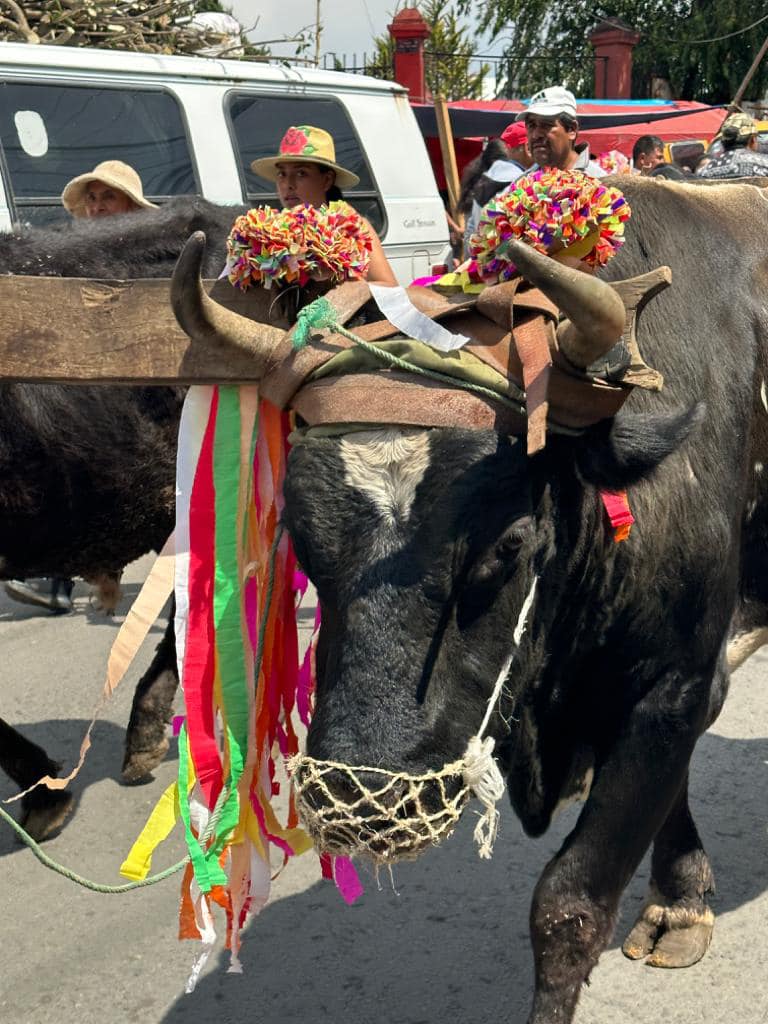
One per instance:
(111,187)
(552,126)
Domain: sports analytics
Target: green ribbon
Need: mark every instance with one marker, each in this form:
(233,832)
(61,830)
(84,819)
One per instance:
(196,852)
(227,616)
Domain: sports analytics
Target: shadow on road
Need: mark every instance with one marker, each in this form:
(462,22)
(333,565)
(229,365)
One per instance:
(406,958)
(61,739)
(84,608)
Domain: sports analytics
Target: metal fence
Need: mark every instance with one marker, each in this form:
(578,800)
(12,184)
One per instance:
(499,76)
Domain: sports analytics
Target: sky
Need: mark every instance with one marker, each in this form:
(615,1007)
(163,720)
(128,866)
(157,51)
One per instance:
(348,26)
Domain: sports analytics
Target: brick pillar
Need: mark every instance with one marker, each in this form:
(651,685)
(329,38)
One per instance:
(613,42)
(408,31)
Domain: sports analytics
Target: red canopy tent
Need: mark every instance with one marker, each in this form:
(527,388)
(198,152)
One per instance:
(604,124)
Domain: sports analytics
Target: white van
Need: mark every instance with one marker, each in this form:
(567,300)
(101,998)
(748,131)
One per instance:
(192,125)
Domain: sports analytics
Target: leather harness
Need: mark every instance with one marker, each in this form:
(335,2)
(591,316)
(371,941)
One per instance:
(512,332)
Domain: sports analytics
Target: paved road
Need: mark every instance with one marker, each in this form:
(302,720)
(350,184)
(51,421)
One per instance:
(450,946)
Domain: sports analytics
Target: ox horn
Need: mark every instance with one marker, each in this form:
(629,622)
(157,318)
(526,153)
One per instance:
(596,314)
(209,322)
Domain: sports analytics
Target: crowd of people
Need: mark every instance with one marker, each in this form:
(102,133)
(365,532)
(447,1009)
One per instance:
(546,133)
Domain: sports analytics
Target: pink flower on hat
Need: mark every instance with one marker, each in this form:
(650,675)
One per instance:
(295,142)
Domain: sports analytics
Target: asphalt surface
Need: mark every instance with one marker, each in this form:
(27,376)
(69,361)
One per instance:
(448,943)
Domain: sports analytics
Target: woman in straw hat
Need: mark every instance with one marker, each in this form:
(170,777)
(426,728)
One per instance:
(305,172)
(111,187)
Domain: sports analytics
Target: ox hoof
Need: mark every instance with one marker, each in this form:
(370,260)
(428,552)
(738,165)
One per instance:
(139,764)
(662,944)
(681,947)
(45,815)
(641,940)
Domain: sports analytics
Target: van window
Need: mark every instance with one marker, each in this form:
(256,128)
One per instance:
(259,123)
(51,133)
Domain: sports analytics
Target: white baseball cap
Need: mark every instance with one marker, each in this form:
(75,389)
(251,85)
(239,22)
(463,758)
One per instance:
(550,102)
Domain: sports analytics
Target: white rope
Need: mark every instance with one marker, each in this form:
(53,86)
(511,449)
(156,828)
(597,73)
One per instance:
(401,829)
(480,770)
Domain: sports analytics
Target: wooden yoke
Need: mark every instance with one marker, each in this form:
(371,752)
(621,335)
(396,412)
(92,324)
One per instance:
(74,330)
(71,330)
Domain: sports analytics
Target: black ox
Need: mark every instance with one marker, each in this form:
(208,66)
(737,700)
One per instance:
(423,544)
(87,472)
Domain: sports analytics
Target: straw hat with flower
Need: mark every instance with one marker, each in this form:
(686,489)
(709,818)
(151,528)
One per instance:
(305,145)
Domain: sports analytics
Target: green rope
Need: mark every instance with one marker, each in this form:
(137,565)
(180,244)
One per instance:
(320,314)
(86,883)
(73,876)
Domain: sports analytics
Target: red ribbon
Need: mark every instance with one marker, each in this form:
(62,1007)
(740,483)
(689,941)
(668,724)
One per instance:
(620,515)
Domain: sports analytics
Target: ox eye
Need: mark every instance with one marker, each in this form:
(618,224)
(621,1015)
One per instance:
(499,559)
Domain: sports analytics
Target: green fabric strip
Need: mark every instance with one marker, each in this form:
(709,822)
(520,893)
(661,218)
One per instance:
(196,853)
(227,615)
(461,364)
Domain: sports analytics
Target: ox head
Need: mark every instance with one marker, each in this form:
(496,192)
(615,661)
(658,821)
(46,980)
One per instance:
(424,543)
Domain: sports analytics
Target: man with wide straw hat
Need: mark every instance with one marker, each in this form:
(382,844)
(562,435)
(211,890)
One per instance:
(111,187)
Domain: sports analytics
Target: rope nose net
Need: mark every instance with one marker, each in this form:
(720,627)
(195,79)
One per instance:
(392,816)
(385,816)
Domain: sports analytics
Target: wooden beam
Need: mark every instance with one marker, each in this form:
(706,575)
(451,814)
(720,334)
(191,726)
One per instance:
(448,151)
(734,104)
(76,330)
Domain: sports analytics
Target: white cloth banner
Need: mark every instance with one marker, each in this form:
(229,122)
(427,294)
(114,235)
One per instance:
(194,418)
(402,314)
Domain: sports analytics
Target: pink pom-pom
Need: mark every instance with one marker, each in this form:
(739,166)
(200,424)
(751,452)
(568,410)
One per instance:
(613,161)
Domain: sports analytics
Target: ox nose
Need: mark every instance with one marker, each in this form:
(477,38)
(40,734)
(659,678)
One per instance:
(383,815)
(364,792)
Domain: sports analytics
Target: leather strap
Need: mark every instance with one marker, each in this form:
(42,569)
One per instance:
(398,398)
(533,339)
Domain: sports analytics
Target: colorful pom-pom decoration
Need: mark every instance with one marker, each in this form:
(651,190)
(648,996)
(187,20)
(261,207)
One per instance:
(268,246)
(614,162)
(554,211)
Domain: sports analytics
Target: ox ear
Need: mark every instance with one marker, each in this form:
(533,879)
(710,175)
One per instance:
(619,452)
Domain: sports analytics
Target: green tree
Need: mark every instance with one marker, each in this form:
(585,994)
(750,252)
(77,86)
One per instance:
(697,45)
(449,54)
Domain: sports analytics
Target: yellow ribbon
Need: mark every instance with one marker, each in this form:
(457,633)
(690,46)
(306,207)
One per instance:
(158,827)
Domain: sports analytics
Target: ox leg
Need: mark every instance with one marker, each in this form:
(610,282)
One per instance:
(43,810)
(675,926)
(146,742)
(576,901)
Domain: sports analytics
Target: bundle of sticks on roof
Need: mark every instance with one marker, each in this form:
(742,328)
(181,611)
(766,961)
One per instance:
(162,26)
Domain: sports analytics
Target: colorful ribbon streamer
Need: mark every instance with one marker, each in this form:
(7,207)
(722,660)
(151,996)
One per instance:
(237,644)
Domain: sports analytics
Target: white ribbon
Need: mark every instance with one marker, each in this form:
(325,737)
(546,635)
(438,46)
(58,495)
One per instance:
(402,314)
(194,419)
